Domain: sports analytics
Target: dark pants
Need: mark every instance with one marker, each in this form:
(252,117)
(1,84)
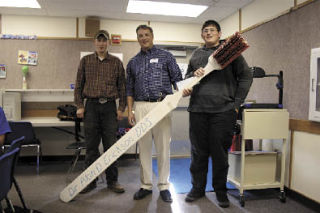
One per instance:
(100,122)
(210,136)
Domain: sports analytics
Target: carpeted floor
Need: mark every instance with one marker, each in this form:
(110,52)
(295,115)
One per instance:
(180,175)
(41,192)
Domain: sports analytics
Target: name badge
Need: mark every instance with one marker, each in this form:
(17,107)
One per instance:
(154,60)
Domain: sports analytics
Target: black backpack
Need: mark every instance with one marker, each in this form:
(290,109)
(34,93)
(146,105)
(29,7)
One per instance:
(67,112)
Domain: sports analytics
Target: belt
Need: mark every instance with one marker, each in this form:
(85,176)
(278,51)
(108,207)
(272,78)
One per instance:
(101,100)
(154,99)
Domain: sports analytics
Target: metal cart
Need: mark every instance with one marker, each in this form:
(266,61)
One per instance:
(260,124)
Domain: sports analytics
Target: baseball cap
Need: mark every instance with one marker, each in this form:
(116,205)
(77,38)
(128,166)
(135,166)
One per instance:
(103,33)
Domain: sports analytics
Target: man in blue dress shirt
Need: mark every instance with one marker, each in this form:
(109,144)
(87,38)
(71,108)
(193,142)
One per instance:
(150,76)
(4,127)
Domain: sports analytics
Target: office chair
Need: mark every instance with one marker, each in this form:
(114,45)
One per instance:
(258,72)
(17,143)
(24,129)
(78,145)
(7,161)
(123,128)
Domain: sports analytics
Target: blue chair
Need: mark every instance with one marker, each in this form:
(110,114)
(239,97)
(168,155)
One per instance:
(22,128)
(17,143)
(7,162)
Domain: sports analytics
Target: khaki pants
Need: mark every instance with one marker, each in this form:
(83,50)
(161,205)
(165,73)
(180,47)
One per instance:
(161,135)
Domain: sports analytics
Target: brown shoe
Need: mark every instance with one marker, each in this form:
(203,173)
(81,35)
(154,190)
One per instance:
(116,187)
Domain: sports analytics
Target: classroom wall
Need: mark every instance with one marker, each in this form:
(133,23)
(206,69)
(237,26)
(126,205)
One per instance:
(305,160)
(66,28)
(230,25)
(258,12)
(261,10)
(40,26)
(302,1)
(127,29)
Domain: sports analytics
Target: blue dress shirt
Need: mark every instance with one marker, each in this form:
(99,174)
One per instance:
(151,74)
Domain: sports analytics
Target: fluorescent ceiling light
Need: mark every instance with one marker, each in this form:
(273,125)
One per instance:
(165,8)
(20,3)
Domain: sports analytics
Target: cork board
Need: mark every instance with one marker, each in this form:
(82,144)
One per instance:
(285,44)
(58,61)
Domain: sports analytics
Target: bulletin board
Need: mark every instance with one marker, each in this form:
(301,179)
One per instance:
(285,44)
(58,61)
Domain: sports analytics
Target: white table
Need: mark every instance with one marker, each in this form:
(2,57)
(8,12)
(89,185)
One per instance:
(48,122)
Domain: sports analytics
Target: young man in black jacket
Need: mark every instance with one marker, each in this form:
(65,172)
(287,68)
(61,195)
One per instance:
(213,109)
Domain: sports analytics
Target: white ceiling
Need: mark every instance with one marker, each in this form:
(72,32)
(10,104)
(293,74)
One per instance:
(116,9)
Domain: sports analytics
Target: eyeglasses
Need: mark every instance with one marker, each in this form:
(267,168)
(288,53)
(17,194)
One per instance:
(211,30)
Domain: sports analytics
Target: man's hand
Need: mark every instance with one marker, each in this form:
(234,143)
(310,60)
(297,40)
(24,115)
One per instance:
(80,113)
(2,137)
(199,72)
(119,115)
(186,92)
(131,118)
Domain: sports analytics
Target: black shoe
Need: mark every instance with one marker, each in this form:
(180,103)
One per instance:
(166,195)
(194,194)
(142,193)
(223,200)
(89,188)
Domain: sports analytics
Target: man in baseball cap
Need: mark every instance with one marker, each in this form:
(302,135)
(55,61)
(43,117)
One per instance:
(100,82)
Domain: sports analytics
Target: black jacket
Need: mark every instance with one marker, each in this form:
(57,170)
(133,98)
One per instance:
(220,90)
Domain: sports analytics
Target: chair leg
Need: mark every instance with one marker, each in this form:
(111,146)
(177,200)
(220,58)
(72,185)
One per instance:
(19,192)
(38,157)
(136,155)
(74,162)
(38,153)
(9,204)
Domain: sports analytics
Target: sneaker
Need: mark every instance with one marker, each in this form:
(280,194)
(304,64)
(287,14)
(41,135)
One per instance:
(116,187)
(166,196)
(194,194)
(89,188)
(223,200)
(142,193)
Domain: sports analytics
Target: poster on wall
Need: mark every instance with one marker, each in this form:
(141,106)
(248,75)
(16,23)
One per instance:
(3,71)
(32,58)
(27,57)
